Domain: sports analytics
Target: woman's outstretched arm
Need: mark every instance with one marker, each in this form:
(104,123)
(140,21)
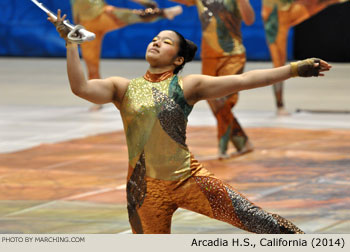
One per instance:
(203,87)
(96,90)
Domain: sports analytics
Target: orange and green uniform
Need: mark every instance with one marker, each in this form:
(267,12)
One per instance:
(279,16)
(222,53)
(100,18)
(163,174)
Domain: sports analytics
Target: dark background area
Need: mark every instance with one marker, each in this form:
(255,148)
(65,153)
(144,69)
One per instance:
(325,35)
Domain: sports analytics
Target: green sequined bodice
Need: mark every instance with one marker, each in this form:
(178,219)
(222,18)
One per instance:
(155,119)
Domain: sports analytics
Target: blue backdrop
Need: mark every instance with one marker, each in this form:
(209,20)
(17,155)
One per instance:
(24,31)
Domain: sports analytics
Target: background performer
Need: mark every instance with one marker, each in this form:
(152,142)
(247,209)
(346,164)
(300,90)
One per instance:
(279,16)
(222,54)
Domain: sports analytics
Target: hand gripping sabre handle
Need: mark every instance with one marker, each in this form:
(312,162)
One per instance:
(84,35)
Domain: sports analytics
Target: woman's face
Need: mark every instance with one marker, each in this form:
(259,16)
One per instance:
(163,49)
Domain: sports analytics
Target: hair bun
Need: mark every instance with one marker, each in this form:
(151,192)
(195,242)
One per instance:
(191,49)
(187,50)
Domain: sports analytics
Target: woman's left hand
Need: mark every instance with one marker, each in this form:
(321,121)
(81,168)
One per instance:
(323,66)
(310,67)
(62,29)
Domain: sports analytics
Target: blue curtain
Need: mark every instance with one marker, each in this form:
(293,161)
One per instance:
(25,32)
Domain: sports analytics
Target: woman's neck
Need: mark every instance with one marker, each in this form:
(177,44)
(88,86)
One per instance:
(159,70)
(157,77)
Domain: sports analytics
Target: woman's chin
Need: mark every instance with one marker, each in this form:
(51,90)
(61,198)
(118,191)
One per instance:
(151,59)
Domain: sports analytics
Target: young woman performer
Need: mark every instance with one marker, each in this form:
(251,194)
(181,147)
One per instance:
(279,16)
(163,175)
(223,53)
(100,18)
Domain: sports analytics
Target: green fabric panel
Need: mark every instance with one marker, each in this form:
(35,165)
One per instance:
(225,39)
(223,142)
(176,93)
(239,142)
(287,1)
(271,26)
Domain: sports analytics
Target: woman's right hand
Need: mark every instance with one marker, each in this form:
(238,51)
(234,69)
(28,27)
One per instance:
(62,29)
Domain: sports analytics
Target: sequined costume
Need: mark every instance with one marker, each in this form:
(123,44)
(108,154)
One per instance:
(222,53)
(279,16)
(100,18)
(163,175)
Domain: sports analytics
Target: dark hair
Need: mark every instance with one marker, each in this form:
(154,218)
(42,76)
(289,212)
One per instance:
(187,49)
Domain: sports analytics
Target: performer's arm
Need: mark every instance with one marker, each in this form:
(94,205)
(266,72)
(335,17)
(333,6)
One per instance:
(185,2)
(97,90)
(130,16)
(202,87)
(246,11)
(147,3)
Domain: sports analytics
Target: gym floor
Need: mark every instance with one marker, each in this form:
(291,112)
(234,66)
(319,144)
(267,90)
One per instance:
(63,168)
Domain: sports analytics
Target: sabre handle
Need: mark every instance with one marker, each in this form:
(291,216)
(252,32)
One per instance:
(86,35)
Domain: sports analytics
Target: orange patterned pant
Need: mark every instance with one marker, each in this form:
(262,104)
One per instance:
(204,194)
(228,128)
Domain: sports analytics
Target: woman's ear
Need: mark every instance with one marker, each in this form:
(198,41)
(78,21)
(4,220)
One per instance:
(179,61)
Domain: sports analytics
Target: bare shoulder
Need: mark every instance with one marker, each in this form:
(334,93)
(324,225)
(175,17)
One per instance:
(118,81)
(120,85)
(190,85)
(191,79)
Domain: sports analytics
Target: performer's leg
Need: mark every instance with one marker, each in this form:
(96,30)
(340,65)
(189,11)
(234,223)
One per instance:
(124,16)
(111,18)
(276,25)
(296,14)
(224,203)
(228,128)
(224,118)
(91,54)
(299,12)
(91,51)
(209,67)
(150,207)
(286,19)
(234,65)
(157,209)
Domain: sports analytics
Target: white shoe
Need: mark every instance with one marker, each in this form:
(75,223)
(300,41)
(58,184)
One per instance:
(222,156)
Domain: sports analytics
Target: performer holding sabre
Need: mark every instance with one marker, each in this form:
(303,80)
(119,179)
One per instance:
(163,175)
(101,18)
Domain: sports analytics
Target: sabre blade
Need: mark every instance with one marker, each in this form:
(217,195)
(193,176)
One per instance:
(41,6)
(46,10)
(85,35)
